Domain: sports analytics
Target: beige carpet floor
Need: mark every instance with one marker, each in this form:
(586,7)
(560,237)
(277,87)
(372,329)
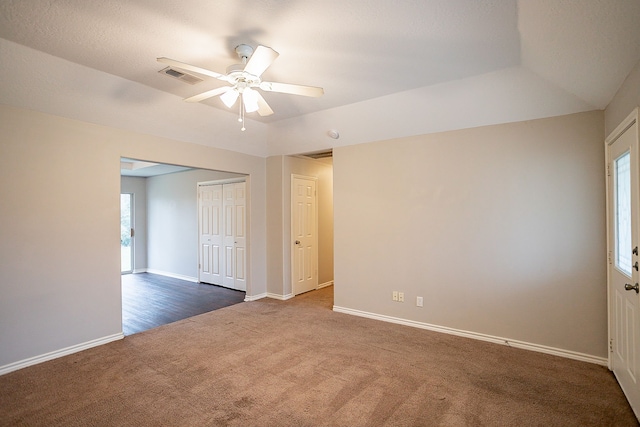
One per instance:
(297,363)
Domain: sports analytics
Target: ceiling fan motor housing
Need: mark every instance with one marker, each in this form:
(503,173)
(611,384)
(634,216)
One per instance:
(237,76)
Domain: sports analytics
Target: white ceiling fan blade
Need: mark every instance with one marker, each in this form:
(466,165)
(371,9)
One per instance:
(292,89)
(261,59)
(208,94)
(189,67)
(263,107)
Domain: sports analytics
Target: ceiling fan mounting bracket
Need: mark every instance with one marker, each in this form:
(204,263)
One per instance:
(244,51)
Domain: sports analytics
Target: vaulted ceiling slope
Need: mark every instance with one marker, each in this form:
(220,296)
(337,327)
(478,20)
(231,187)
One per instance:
(388,69)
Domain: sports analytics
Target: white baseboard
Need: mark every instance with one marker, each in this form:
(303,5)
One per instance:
(58,353)
(255,297)
(139,270)
(483,337)
(325,284)
(280,297)
(173,275)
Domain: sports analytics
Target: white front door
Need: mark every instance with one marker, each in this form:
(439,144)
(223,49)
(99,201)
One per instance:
(624,299)
(304,233)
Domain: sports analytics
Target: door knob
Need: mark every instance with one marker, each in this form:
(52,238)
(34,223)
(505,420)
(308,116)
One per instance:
(297,242)
(628,287)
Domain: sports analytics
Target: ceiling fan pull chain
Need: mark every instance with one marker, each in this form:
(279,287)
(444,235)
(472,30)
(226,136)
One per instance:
(242,112)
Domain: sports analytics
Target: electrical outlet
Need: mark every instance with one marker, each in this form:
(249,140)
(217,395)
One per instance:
(419,301)
(395,295)
(400,296)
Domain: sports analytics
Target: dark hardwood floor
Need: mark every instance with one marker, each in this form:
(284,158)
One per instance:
(150,300)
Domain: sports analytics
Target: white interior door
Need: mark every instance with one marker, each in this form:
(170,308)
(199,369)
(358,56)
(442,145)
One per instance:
(240,234)
(228,236)
(223,234)
(304,233)
(210,241)
(624,299)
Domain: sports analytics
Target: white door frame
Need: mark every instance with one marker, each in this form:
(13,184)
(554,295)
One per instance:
(609,141)
(246,180)
(292,231)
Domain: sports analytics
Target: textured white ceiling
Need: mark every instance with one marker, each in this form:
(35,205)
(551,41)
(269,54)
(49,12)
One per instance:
(586,48)
(355,50)
(360,52)
(136,168)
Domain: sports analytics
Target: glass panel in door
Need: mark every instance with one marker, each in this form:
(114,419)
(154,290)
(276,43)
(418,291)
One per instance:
(623,213)
(126,241)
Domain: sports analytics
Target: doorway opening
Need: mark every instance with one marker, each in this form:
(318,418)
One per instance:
(308,208)
(163,203)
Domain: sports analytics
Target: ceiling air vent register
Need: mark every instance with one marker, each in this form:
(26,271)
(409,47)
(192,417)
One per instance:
(320,154)
(181,75)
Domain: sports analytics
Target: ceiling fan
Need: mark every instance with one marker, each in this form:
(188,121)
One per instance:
(244,79)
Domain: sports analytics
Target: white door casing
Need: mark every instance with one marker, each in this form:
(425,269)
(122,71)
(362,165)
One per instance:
(223,234)
(622,242)
(304,234)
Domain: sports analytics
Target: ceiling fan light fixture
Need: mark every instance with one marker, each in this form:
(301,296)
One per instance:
(250,99)
(229,97)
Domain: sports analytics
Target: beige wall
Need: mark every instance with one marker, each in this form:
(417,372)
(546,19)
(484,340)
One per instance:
(59,245)
(279,171)
(275,226)
(501,230)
